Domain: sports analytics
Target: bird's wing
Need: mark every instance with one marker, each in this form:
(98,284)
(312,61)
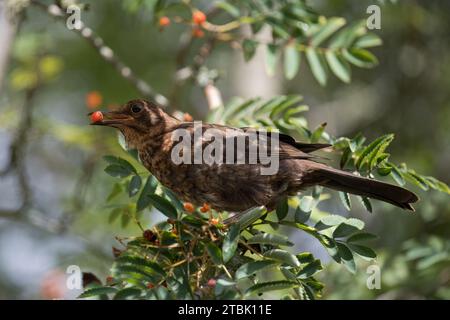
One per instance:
(288,147)
(302,146)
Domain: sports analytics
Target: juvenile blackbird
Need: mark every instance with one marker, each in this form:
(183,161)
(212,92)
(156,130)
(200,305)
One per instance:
(236,187)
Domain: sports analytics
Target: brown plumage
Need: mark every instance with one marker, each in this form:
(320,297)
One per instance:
(236,187)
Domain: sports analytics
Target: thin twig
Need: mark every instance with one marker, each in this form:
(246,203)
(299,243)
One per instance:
(108,55)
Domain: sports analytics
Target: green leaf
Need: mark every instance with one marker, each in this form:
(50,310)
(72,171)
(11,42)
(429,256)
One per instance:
(346,156)
(230,242)
(360,57)
(282,256)
(173,199)
(250,268)
(438,185)
(121,162)
(366,203)
(301,216)
(134,186)
(250,217)
(117,171)
(329,221)
(346,257)
(127,293)
(396,174)
(149,188)
(114,214)
(271,59)
(272,286)
(346,36)
(344,230)
(378,145)
(332,25)
(125,220)
(361,237)
(249,48)
(116,190)
(163,205)
(141,262)
(338,66)
(417,179)
(310,269)
(317,66)
(291,61)
(272,239)
(384,171)
(282,209)
(345,199)
(368,40)
(228,7)
(98,291)
(363,251)
(134,272)
(317,133)
(305,257)
(215,253)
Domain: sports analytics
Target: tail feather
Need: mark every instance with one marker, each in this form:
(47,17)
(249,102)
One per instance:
(347,182)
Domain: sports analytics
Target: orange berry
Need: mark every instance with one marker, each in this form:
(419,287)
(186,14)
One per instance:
(214,221)
(187,117)
(198,17)
(109,279)
(198,33)
(150,285)
(164,21)
(205,208)
(96,116)
(189,207)
(94,99)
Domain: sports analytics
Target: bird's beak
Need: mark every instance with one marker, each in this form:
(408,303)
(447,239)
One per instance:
(112,119)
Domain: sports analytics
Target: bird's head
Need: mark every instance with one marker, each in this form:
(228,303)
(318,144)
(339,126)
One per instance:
(137,119)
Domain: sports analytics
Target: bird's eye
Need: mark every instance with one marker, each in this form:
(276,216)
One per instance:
(135,108)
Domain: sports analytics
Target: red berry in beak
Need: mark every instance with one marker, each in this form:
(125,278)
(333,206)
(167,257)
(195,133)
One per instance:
(96,116)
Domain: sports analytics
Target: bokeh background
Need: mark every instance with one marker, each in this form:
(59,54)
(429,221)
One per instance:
(59,172)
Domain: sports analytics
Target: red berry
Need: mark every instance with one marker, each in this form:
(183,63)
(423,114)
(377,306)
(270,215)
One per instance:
(198,17)
(189,207)
(214,221)
(109,279)
(205,208)
(212,283)
(164,21)
(150,285)
(198,33)
(96,116)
